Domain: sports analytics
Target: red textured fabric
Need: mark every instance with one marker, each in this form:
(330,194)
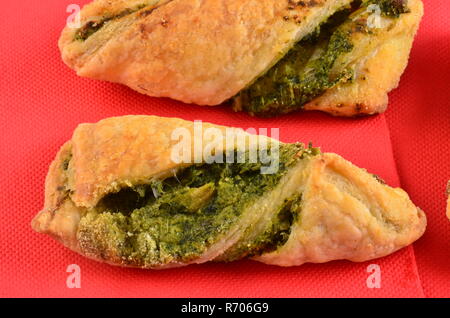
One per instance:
(419,122)
(42,101)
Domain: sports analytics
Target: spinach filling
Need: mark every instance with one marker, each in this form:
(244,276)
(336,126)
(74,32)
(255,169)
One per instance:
(390,8)
(310,67)
(177,219)
(91,27)
(275,234)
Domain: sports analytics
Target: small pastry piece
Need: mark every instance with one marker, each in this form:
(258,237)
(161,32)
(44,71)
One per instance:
(117,192)
(268,57)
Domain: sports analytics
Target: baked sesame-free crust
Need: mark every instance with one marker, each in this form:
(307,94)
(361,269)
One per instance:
(206,51)
(345,212)
(377,73)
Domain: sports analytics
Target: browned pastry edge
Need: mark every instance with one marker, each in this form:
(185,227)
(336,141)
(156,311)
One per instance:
(346,213)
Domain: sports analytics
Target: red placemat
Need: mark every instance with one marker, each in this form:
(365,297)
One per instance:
(42,101)
(419,122)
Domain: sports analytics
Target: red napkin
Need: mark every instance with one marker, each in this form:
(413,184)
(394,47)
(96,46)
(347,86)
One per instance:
(42,101)
(419,123)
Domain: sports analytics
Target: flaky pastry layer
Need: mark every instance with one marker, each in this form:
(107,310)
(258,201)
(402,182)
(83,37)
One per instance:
(344,211)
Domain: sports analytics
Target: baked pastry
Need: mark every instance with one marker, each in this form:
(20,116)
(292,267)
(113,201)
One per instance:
(116,193)
(267,57)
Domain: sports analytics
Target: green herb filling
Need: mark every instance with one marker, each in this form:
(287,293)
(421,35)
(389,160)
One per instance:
(310,68)
(177,219)
(92,27)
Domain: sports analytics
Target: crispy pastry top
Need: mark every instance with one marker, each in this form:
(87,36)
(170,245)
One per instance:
(205,52)
(377,72)
(345,212)
(125,151)
(196,51)
(119,152)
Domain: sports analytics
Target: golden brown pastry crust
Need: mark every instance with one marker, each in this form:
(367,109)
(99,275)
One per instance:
(377,74)
(102,158)
(118,152)
(345,213)
(205,52)
(60,217)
